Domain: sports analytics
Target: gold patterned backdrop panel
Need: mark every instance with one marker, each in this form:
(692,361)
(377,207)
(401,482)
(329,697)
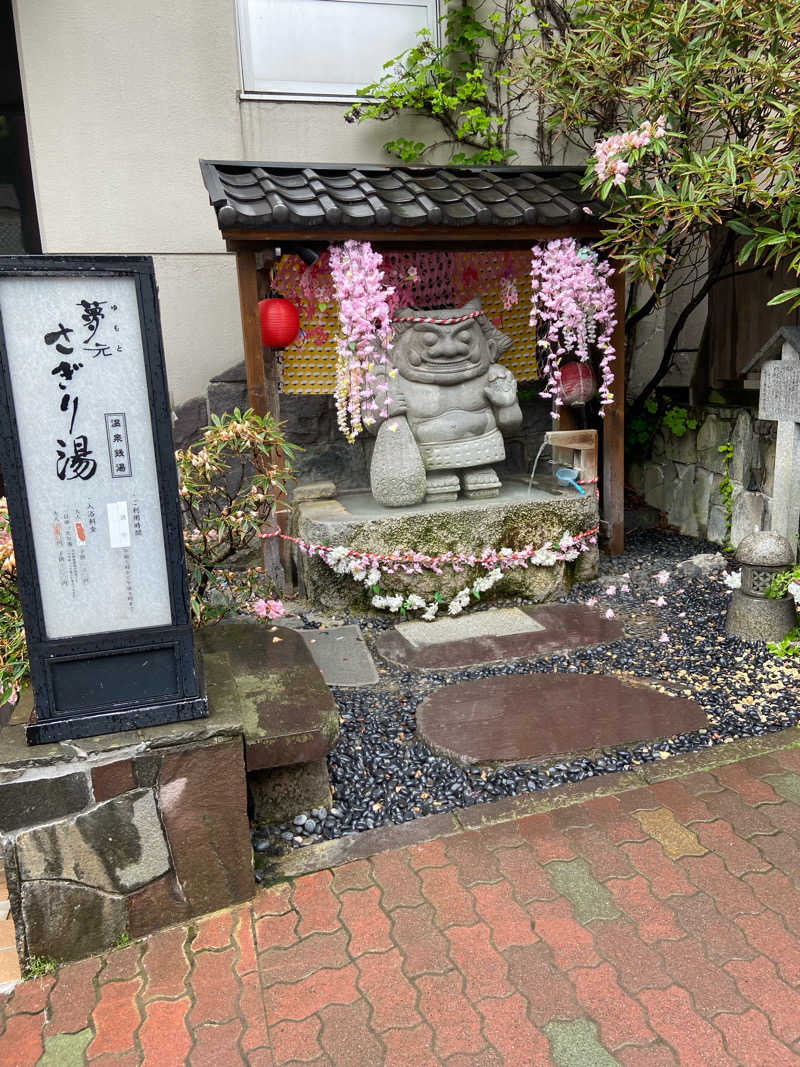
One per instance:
(308,365)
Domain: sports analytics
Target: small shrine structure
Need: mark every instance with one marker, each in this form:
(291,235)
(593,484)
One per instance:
(304,208)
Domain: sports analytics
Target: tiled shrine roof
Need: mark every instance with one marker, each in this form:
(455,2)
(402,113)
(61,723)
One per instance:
(285,196)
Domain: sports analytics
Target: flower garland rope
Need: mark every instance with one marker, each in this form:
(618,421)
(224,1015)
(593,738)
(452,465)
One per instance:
(439,322)
(368,567)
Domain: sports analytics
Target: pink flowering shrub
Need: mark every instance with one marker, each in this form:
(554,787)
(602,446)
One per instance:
(572,311)
(228,481)
(366,335)
(612,156)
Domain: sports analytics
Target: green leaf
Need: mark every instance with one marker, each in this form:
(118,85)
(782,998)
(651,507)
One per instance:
(738,226)
(784,297)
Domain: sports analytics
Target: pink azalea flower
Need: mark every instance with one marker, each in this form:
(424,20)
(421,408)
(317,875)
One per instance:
(268,609)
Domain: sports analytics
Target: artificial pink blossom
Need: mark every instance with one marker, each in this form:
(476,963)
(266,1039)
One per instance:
(611,590)
(662,577)
(366,335)
(508,292)
(663,639)
(573,312)
(610,613)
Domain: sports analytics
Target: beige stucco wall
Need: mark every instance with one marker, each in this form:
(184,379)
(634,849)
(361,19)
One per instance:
(122,98)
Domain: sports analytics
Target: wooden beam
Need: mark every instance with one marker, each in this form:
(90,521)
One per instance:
(482,236)
(613,488)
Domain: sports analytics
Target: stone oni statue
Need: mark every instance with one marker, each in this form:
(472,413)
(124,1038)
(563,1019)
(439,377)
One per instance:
(450,403)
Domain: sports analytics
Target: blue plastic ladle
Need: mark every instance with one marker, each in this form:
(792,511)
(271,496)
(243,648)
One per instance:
(569,476)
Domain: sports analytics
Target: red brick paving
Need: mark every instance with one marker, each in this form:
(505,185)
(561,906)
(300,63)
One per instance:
(460,951)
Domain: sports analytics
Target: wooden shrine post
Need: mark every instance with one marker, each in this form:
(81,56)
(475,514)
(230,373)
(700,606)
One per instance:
(262,395)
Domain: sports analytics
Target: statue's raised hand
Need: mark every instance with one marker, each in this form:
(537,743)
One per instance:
(398,405)
(501,388)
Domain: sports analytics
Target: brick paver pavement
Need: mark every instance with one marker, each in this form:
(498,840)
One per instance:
(656,926)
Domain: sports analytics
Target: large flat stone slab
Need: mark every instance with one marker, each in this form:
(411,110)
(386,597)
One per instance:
(27,802)
(341,655)
(118,846)
(68,921)
(527,718)
(496,635)
(497,622)
(266,679)
(202,799)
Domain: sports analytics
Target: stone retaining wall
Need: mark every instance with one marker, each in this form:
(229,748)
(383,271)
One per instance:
(99,848)
(683,475)
(122,834)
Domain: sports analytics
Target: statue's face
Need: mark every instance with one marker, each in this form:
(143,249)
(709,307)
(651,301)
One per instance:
(428,352)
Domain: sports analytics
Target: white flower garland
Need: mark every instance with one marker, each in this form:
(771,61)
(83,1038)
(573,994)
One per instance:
(367,568)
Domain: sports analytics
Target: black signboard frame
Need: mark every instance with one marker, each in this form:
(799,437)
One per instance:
(125,679)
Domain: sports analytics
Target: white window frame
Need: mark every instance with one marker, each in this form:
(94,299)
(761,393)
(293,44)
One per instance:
(313,91)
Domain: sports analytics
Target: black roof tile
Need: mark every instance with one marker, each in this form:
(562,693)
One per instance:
(301,196)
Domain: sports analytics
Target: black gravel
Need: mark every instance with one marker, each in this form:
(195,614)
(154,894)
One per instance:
(381,773)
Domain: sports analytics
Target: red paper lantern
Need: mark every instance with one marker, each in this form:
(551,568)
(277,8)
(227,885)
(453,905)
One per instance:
(280,322)
(578,384)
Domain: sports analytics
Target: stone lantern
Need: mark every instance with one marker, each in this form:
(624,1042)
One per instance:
(752,615)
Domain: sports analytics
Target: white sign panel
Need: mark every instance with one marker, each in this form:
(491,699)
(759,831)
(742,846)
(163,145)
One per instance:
(76,362)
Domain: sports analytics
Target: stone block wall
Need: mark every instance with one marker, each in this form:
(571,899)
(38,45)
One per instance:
(683,475)
(116,844)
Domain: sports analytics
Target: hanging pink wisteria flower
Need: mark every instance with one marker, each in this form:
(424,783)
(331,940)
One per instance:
(572,311)
(366,334)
